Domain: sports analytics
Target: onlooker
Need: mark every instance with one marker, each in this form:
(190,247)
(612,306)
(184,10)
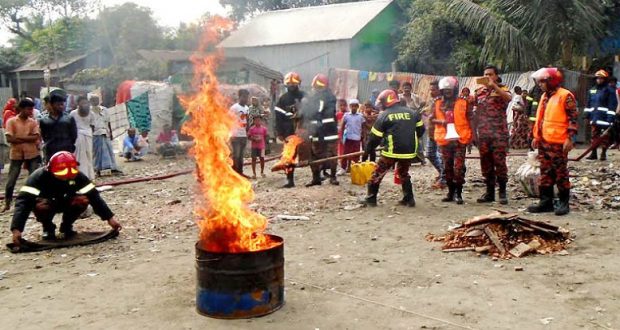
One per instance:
(22,132)
(258,135)
(352,127)
(143,142)
(240,136)
(102,138)
(519,134)
(167,142)
(254,111)
(341,110)
(409,98)
(370,116)
(58,130)
(9,111)
(85,122)
(131,147)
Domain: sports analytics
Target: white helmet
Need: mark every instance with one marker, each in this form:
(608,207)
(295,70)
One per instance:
(448,83)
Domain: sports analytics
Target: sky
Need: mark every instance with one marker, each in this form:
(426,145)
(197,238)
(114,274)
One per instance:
(167,12)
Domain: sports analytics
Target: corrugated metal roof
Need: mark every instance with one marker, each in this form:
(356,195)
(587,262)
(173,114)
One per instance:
(33,64)
(308,24)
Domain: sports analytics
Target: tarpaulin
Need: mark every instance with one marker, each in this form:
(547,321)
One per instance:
(138,112)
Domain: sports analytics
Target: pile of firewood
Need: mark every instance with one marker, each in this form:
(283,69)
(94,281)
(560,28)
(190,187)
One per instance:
(504,235)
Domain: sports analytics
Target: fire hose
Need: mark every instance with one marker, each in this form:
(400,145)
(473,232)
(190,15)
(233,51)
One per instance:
(155,177)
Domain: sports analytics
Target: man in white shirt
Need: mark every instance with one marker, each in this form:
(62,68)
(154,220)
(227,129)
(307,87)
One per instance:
(102,138)
(239,137)
(85,122)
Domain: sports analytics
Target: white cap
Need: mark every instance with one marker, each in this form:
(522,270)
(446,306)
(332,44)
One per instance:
(354,101)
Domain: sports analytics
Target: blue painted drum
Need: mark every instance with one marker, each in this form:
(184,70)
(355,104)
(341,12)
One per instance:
(240,285)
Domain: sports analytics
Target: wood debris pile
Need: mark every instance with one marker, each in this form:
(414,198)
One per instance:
(596,188)
(504,235)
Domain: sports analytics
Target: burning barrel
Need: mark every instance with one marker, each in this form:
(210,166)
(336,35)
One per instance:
(241,284)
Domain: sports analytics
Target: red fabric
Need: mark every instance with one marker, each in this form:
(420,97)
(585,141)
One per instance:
(123,92)
(8,114)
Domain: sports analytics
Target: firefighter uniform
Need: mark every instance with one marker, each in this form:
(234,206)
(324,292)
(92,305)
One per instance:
(399,128)
(600,111)
(286,122)
(453,151)
(318,118)
(45,195)
(556,123)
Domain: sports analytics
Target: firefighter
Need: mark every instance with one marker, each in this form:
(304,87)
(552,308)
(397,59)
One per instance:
(318,118)
(452,110)
(555,127)
(600,112)
(492,125)
(285,110)
(58,188)
(399,128)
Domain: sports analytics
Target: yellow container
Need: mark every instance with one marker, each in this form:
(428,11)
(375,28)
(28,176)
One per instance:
(361,172)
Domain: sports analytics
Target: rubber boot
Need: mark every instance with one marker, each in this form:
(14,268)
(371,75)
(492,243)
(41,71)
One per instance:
(593,155)
(332,178)
(49,231)
(450,196)
(408,198)
(334,181)
(488,196)
(290,180)
(316,179)
(563,206)
(371,196)
(67,229)
(458,196)
(603,154)
(546,201)
(503,196)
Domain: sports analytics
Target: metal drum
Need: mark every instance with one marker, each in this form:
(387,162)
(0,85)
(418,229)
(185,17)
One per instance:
(240,285)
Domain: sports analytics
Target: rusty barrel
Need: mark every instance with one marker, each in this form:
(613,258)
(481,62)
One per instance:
(240,285)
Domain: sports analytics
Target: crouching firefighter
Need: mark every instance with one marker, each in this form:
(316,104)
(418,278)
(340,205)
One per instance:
(58,188)
(318,118)
(453,133)
(399,128)
(556,124)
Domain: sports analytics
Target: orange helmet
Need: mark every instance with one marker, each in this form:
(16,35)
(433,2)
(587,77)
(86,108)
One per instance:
(320,81)
(553,76)
(388,98)
(63,165)
(292,78)
(601,74)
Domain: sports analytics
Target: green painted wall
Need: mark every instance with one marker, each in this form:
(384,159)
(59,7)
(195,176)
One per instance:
(372,49)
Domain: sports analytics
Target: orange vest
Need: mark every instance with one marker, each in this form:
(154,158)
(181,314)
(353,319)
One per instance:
(460,122)
(555,122)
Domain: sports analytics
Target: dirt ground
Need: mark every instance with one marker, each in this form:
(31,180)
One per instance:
(346,268)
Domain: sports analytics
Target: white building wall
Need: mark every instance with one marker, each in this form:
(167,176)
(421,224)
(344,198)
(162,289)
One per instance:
(307,59)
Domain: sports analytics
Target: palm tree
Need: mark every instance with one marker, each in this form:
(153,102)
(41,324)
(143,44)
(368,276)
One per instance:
(523,34)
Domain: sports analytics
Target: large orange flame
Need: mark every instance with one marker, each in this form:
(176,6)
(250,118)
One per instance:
(289,153)
(226,222)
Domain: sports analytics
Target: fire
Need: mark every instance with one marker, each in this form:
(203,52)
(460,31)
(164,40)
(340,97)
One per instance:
(226,222)
(289,153)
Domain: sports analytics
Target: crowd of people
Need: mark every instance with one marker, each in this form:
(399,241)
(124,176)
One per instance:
(441,130)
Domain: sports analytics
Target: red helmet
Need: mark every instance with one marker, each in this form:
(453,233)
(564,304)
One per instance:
(601,74)
(63,165)
(320,81)
(292,78)
(388,98)
(553,76)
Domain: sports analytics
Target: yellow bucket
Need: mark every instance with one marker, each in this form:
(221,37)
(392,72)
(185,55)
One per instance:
(361,172)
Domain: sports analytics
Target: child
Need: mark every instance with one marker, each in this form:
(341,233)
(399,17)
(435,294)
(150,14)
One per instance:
(258,134)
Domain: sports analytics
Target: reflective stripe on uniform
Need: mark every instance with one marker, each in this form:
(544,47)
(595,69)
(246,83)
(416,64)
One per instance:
(30,190)
(327,138)
(611,113)
(588,109)
(87,188)
(419,124)
(283,112)
(324,121)
(602,109)
(397,156)
(602,123)
(390,139)
(376,132)
(532,118)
